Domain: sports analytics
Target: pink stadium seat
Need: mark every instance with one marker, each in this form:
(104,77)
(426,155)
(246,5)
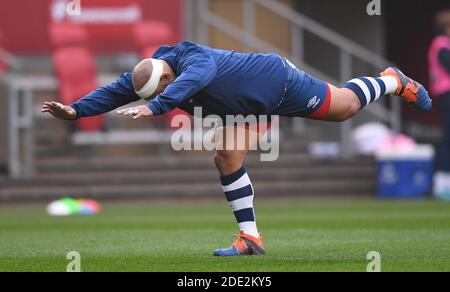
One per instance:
(149,35)
(67,35)
(77,77)
(75,68)
(148,52)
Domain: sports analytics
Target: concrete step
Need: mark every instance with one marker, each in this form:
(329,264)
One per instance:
(109,176)
(52,150)
(103,151)
(200,160)
(191,176)
(316,188)
(56,142)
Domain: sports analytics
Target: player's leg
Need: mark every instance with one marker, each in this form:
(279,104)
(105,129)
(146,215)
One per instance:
(360,92)
(344,104)
(239,191)
(309,97)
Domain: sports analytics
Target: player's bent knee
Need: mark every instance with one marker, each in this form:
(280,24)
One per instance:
(355,106)
(350,109)
(353,110)
(350,113)
(227,162)
(344,105)
(342,116)
(222,158)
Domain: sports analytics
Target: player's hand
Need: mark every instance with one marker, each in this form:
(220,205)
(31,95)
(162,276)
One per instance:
(136,112)
(59,110)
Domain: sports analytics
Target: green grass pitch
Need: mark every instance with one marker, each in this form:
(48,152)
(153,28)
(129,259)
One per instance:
(300,235)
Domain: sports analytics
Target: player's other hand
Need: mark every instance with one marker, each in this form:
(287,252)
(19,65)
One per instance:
(136,112)
(59,110)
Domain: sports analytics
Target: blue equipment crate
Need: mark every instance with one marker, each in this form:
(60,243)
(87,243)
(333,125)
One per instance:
(406,175)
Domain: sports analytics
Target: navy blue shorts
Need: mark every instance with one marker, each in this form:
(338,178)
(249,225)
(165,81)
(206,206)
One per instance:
(305,96)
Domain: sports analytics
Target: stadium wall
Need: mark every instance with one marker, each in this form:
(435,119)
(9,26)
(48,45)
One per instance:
(270,27)
(370,31)
(109,23)
(274,29)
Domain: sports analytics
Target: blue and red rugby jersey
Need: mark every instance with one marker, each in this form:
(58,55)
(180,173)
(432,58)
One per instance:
(221,82)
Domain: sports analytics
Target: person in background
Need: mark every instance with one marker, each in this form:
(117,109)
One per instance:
(439,63)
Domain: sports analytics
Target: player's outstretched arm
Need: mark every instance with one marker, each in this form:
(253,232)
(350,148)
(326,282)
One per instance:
(102,100)
(136,112)
(59,110)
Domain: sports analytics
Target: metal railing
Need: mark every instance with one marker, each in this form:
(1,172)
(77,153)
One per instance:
(21,117)
(21,122)
(10,59)
(348,50)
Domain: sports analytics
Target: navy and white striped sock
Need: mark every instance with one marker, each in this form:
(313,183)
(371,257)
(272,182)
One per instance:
(370,89)
(239,193)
